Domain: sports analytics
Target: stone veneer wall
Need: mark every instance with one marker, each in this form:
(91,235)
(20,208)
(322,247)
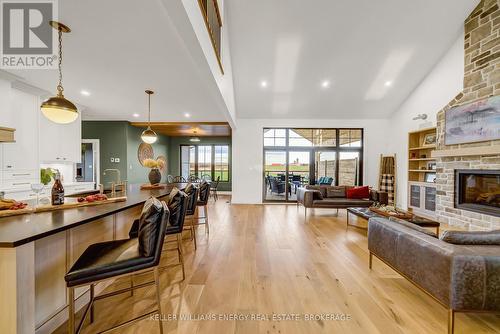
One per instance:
(481,80)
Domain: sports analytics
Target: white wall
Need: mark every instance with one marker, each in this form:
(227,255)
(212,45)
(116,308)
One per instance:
(224,81)
(439,87)
(247,146)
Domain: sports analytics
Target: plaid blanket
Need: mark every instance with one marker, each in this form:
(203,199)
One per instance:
(387,185)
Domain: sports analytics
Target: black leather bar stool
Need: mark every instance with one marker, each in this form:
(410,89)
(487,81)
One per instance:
(202,202)
(120,258)
(177,205)
(192,192)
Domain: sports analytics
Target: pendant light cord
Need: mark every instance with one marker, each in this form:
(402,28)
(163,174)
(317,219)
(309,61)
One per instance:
(60,88)
(149,110)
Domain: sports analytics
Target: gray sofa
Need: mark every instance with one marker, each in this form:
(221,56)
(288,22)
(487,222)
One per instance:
(334,197)
(462,278)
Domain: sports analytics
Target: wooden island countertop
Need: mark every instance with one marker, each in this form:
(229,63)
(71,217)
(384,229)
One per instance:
(38,249)
(21,229)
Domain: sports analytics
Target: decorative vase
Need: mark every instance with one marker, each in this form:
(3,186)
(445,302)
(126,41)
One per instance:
(154,176)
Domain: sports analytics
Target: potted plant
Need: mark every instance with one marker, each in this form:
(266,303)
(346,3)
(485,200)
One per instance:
(155,165)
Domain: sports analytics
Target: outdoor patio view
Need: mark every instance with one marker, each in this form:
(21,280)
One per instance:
(294,158)
(205,162)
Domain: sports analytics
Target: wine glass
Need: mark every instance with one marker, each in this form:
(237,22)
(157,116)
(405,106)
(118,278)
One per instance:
(37,189)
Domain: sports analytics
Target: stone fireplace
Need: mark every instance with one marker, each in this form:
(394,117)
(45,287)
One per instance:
(481,80)
(478,190)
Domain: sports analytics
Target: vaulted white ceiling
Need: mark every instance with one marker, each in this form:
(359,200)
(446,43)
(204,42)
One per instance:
(120,48)
(116,50)
(369,54)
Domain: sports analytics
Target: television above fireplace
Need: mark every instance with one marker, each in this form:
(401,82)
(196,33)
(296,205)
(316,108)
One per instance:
(478,190)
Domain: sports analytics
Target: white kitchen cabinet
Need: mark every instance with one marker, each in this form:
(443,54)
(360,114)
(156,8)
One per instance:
(22,116)
(60,142)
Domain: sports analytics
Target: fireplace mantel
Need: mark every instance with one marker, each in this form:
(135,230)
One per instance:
(467,151)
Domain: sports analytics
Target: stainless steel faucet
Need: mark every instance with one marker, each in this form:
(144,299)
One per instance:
(119,184)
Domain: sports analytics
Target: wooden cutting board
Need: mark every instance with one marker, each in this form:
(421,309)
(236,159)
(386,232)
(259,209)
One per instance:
(153,186)
(74,205)
(8,213)
(398,214)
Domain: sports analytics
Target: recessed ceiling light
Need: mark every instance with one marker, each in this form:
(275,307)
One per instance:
(325,83)
(187,115)
(85,92)
(263,84)
(388,83)
(136,115)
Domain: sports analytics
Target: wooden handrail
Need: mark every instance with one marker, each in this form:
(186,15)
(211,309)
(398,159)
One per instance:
(214,29)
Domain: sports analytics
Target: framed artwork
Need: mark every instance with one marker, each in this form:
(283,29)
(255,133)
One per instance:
(429,139)
(431,166)
(430,177)
(473,122)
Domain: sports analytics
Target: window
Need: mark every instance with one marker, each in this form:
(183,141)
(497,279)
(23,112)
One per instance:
(274,137)
(350,138)
(205,160)
(311,156)
(188,161)
(300,137)
(221,163)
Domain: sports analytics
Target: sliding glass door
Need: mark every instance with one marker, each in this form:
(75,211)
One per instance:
(299,172)
(275,167)
(294,158)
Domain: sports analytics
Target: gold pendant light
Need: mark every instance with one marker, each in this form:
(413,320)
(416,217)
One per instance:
(57,108)
(149,136)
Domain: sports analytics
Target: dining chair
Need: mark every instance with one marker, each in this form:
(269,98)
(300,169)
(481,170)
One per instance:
(178,179)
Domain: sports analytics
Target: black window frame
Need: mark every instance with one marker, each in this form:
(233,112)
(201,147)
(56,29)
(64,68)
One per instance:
(212,160)
(313,149)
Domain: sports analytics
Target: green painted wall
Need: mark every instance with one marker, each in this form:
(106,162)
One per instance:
(175,153)
(112,144)
(118,139)
(136,173)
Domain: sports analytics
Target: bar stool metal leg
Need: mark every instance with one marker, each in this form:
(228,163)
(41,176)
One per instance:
(205,208)
(193,231)
(181,257)
(71,310)
(92,303)
(158,298)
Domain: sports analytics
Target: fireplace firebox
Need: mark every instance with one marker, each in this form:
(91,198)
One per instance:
(478,190)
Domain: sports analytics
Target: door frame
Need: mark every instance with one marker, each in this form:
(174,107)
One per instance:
(96,153)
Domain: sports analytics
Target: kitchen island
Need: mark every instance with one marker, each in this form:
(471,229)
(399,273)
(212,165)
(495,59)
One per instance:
(36,251)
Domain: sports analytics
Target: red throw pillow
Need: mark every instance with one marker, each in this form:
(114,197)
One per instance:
(358,192)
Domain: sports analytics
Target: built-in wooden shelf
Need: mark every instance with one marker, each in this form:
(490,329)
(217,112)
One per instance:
(467,151)
(422,159)
(430,147)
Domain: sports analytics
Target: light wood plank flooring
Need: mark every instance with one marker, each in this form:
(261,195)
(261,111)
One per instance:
(265,259)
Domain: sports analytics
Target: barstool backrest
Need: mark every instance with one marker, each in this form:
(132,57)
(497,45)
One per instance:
(192,192)
(152,227)
(177,205)
(204,193)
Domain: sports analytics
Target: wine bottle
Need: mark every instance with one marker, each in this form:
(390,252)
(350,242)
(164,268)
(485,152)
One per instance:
(57,191)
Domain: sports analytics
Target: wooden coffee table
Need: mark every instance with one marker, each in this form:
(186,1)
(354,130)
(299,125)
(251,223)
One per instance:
(367,213)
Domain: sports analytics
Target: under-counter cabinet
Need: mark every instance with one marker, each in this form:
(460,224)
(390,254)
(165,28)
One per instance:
(422,198)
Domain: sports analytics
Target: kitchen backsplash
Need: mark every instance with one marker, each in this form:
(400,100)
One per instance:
(67,171)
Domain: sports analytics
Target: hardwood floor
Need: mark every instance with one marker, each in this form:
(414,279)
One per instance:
(264,259)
